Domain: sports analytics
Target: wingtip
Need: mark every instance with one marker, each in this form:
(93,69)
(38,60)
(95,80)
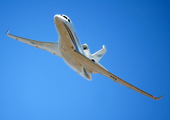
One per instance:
(104,47)
(7,31)
(159,97)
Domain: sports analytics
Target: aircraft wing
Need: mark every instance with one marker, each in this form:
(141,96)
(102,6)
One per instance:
(48,46)
(88,64)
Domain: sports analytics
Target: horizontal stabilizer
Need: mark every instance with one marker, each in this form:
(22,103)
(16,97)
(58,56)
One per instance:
(99,54)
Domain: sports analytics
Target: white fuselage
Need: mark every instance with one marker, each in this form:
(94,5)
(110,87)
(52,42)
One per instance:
(68,42)
(76,56)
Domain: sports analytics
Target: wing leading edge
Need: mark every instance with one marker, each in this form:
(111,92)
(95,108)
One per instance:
(48,46)
(87,63)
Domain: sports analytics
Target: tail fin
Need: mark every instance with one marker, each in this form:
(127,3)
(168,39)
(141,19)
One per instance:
(99,54)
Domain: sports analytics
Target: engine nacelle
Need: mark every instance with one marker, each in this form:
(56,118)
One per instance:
(86,50)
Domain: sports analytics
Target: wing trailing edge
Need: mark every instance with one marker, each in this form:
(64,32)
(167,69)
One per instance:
(87,63)
(48,46)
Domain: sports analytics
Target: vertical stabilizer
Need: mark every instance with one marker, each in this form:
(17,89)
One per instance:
(99,54)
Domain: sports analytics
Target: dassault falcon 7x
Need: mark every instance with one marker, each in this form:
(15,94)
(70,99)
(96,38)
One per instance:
(76,56)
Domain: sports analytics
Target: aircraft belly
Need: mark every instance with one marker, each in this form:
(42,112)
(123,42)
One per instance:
(71,60)
(68,54)
(67,45)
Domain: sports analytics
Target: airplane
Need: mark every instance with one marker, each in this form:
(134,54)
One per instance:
(75,55)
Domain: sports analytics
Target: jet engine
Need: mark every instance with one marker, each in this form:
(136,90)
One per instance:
(86,50)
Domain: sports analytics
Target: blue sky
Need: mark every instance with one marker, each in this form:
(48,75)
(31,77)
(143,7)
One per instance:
(36,85)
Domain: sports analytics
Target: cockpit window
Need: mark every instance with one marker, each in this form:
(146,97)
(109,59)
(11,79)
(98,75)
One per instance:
(69,20)
(66,17)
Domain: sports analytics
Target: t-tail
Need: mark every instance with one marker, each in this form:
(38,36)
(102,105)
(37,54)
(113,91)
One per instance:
(99,54)
(96,56)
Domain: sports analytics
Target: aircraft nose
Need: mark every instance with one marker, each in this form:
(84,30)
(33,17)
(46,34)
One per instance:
(57,19)
(56,16)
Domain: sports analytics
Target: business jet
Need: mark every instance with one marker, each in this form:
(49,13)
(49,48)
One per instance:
(75,55)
